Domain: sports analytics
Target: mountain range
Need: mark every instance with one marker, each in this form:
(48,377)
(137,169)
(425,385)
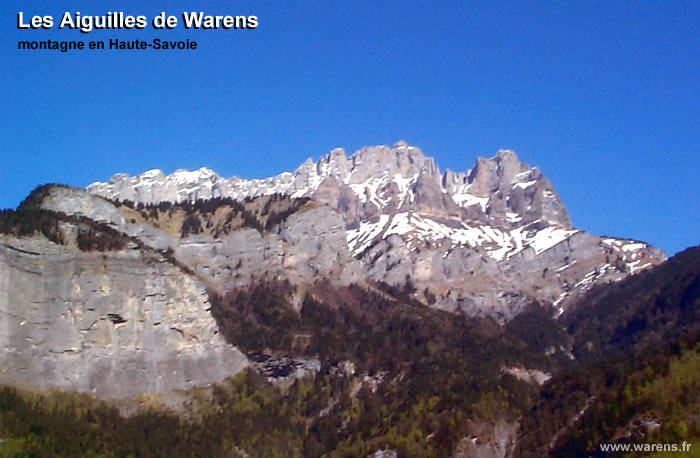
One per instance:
(395,308)
(486,241)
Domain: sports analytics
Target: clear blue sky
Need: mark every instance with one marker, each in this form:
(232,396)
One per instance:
(602,96)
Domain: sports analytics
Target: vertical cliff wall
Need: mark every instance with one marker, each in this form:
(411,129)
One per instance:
(112,323)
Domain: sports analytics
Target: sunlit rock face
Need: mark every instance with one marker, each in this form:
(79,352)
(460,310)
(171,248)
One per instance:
(374,180)
(111,323)
(486,241)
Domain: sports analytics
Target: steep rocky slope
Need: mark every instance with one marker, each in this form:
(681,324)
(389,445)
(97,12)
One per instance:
(228,245)
(91,316)
(636,345)
(115,323)
(117,298)
(487,241)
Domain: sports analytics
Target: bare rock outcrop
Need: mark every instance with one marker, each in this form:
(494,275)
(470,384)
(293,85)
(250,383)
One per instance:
(307,245)
(111,323)
(488,440)
(486,241)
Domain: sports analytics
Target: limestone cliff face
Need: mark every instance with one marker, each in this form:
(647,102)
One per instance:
(110,323)
(486,241)
(307,245)
(375,180)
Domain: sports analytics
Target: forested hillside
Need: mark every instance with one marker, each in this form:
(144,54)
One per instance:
(394,373)
(638,377)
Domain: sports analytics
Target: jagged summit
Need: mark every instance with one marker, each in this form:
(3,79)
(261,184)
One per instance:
(505,153)
(488,240)
(372,181)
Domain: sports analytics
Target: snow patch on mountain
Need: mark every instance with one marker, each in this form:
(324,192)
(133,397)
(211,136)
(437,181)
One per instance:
(498,226)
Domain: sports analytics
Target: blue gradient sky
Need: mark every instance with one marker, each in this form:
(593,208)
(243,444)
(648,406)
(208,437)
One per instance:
(602,96)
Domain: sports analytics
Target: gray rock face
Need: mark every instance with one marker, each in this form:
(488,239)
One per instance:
(115,324)
(488,441)
(487,241)
(375,180)
(482,270)
(154,186)
(308,245)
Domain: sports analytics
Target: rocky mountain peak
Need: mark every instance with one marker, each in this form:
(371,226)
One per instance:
(334,164)
(400,159)
(374,180)
(489,175)
(498,226)
(463,235)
